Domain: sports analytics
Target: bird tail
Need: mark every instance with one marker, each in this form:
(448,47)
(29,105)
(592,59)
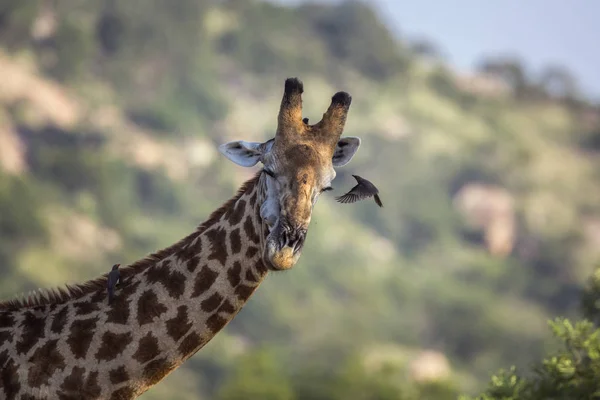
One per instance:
(110,295)
(378,200)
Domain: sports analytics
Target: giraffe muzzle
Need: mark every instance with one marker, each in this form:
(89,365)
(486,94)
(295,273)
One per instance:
(292,237)
(283,247)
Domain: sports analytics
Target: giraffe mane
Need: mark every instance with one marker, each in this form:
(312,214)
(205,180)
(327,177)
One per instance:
(62,294)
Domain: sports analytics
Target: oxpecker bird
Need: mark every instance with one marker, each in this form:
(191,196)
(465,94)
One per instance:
(363,190)
(114,278)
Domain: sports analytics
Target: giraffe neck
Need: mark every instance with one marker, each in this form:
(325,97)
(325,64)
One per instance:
(167,307)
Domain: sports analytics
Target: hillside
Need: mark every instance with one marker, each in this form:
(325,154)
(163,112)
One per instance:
(110,114)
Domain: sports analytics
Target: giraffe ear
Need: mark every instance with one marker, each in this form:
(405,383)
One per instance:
(246,154)
(345,149)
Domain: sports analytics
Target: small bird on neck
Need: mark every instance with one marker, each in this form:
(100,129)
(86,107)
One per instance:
(114,277)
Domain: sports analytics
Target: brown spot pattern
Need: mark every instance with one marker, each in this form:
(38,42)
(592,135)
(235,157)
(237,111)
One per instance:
(233,274)
(260,267)
(175,284)
(250,277)
(84,308)
(59,320)
(190,250)
(252,199)
(157,273)
(251,252)
(75,385)
(113,344)
(99,296)
(39,308)
(81,335)
(5,337)
(173,281)
(238,212)
(179,325)
(235,241)
(91,385)
(244,292)
(6,319)
(215,323)
(9,380)
(118,375)
(211,303)
(193,263)
(118,313)
(204,280)
(148,307)
(218,251)
(185,253)
(250,231)
(45,361)
(198,244)
(128,288)
(33,330)
(147,349)
(124,393)
(156,370)
(191,342)
(226,307)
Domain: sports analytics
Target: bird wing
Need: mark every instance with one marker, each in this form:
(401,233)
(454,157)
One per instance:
(112,279)
(348,198)
(364,191)
(378,201)
(355,194)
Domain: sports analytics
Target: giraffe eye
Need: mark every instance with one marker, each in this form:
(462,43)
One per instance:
(326,189)
(269,172)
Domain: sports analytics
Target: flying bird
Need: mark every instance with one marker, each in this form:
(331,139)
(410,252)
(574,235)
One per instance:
(363,190)
(114,277)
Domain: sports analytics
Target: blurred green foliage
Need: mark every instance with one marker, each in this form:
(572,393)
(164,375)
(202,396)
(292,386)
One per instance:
(570,372)
(153,76)
(20,220)
(260,375)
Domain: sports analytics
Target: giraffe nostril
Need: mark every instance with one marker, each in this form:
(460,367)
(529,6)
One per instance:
(289,236)
(283,239)
(298,246)
(297,241)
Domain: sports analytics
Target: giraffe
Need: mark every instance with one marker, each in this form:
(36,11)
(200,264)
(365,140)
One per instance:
(71,343)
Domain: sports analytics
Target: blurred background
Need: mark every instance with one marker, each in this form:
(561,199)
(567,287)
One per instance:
(479,123)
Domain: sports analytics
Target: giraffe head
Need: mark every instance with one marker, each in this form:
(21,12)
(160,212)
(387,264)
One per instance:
(298,166)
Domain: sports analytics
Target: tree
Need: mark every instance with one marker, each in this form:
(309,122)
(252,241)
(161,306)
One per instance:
(511,70)
(16,20)
(558,81)
(354,34)
(571,372)
(427,49)
(257,376)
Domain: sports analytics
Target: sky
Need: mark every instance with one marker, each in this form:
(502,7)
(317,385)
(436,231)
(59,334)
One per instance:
(540,32)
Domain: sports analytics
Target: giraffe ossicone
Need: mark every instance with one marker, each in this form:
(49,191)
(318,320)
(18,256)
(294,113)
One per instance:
(72,344)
